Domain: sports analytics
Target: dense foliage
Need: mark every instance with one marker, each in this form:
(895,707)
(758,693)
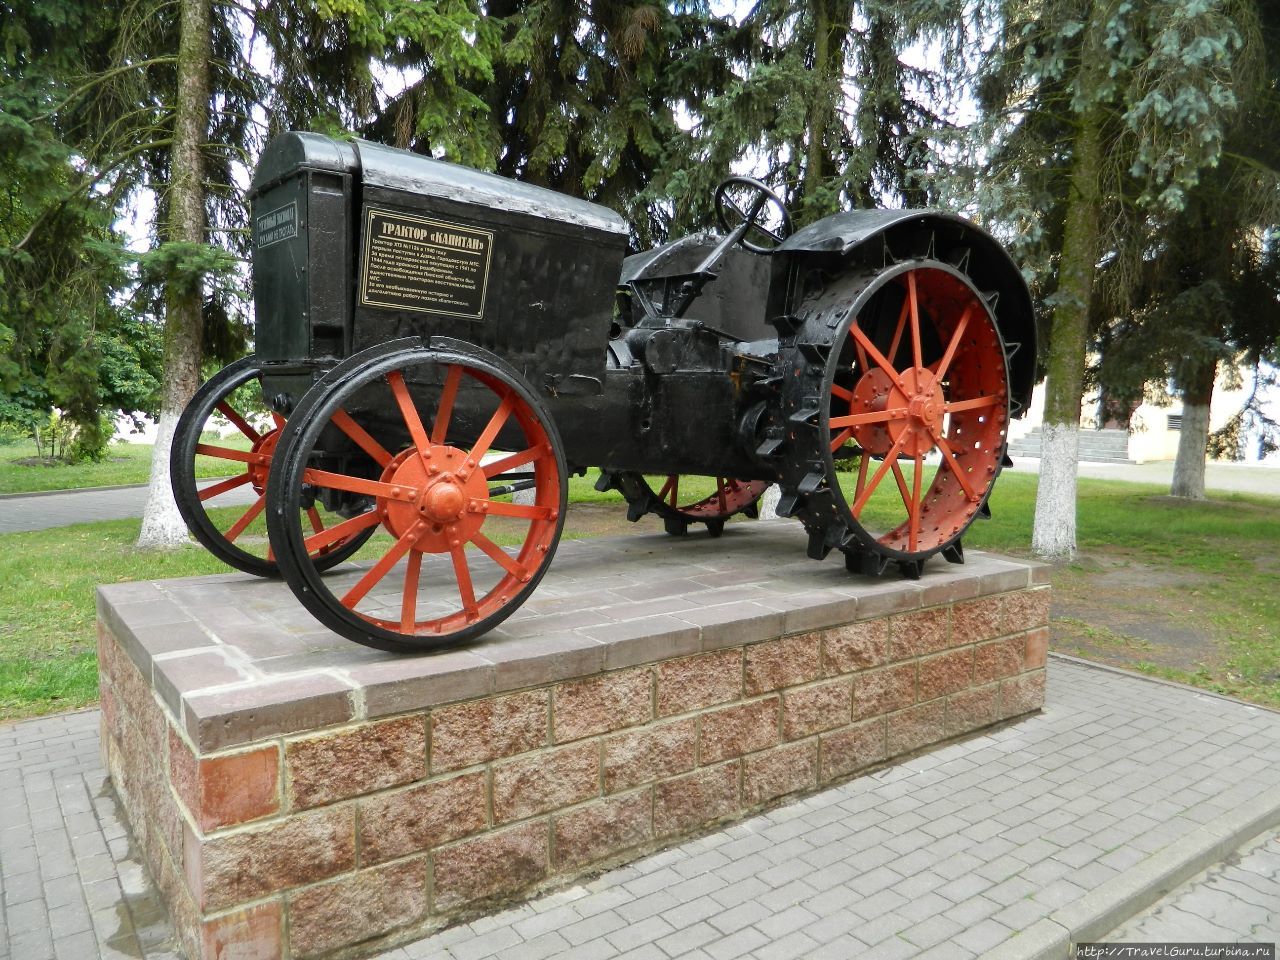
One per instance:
(1162,106)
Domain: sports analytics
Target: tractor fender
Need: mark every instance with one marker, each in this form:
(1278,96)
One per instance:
(890,236)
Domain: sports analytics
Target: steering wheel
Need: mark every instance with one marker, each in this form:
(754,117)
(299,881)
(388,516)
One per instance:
(751,217)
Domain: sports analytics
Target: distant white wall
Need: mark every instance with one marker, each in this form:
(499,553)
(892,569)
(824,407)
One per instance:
(1150,438)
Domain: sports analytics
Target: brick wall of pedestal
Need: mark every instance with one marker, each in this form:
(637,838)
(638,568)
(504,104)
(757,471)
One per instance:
(353,837)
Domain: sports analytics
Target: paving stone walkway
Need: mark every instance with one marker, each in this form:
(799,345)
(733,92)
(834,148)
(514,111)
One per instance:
(1235,901)
(70,885)
(943,856)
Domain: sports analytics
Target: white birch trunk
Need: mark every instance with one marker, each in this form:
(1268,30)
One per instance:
(1188,468)
(769,502)
(1053,535)
(162,524)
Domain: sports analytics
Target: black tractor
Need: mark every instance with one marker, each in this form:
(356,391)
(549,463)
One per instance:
(440,349)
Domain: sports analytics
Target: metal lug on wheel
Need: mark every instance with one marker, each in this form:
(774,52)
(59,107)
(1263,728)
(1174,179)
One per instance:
(675,526)
(818,546)
(953,553)
(715,528)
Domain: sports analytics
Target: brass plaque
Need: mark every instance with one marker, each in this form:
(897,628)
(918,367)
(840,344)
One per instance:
(413,263)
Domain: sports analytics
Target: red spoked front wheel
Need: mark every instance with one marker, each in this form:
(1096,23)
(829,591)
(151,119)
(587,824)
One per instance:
(217,433)
(916,413)
(434,445)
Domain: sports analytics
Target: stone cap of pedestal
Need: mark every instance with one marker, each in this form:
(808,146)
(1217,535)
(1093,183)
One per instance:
(235,659)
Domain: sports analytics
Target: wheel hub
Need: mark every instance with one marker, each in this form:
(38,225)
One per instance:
(919,392)
(264,446)
(452,501)
(442,502)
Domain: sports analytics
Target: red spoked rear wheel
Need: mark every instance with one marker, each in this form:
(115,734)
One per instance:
(435,444)
(225,514)
(916,413)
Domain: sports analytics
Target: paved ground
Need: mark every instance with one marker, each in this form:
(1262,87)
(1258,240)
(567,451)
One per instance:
(66,507)
(70,886)
(1237,900)
(1228,477)
(942,856)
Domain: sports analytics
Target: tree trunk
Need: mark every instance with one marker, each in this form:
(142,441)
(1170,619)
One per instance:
(161,523)
(1053,535)
(830,29)
(818,107)
(1188,468)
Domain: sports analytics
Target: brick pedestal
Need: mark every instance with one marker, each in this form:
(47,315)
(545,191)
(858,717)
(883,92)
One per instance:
(298,796)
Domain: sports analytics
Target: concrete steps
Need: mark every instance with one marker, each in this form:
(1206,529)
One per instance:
(1096,446)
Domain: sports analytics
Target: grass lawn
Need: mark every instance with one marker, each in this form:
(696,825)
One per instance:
(125,463)
(1214,566)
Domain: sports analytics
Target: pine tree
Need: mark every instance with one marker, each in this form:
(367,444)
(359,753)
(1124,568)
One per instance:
(1102,116)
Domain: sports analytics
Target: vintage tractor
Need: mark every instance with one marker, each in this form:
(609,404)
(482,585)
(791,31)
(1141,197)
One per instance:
(440,349)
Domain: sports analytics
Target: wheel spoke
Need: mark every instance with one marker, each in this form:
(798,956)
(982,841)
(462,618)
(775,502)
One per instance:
(408,411)
(409,599)
(240,422)
(841,438)
(977,403)
(497,555)
(340,531)
(277,420)
(440,428)
(314,516)
(916,358)
(720,497)
(914,507)
(214,490)
(246,518)
(862,475)
(879,474)
(947,455)
(227,453)
(491,428)
(954,344)
(877,357)
(675,489)
(372,488)
(666,487)
(379,569)
(902,486)
(463,573)
(499,508)
(498,467)
(875,416)
(841,392)
(902,326)
(342,420)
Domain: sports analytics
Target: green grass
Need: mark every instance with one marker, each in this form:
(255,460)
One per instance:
(1232,544)
(124,464)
